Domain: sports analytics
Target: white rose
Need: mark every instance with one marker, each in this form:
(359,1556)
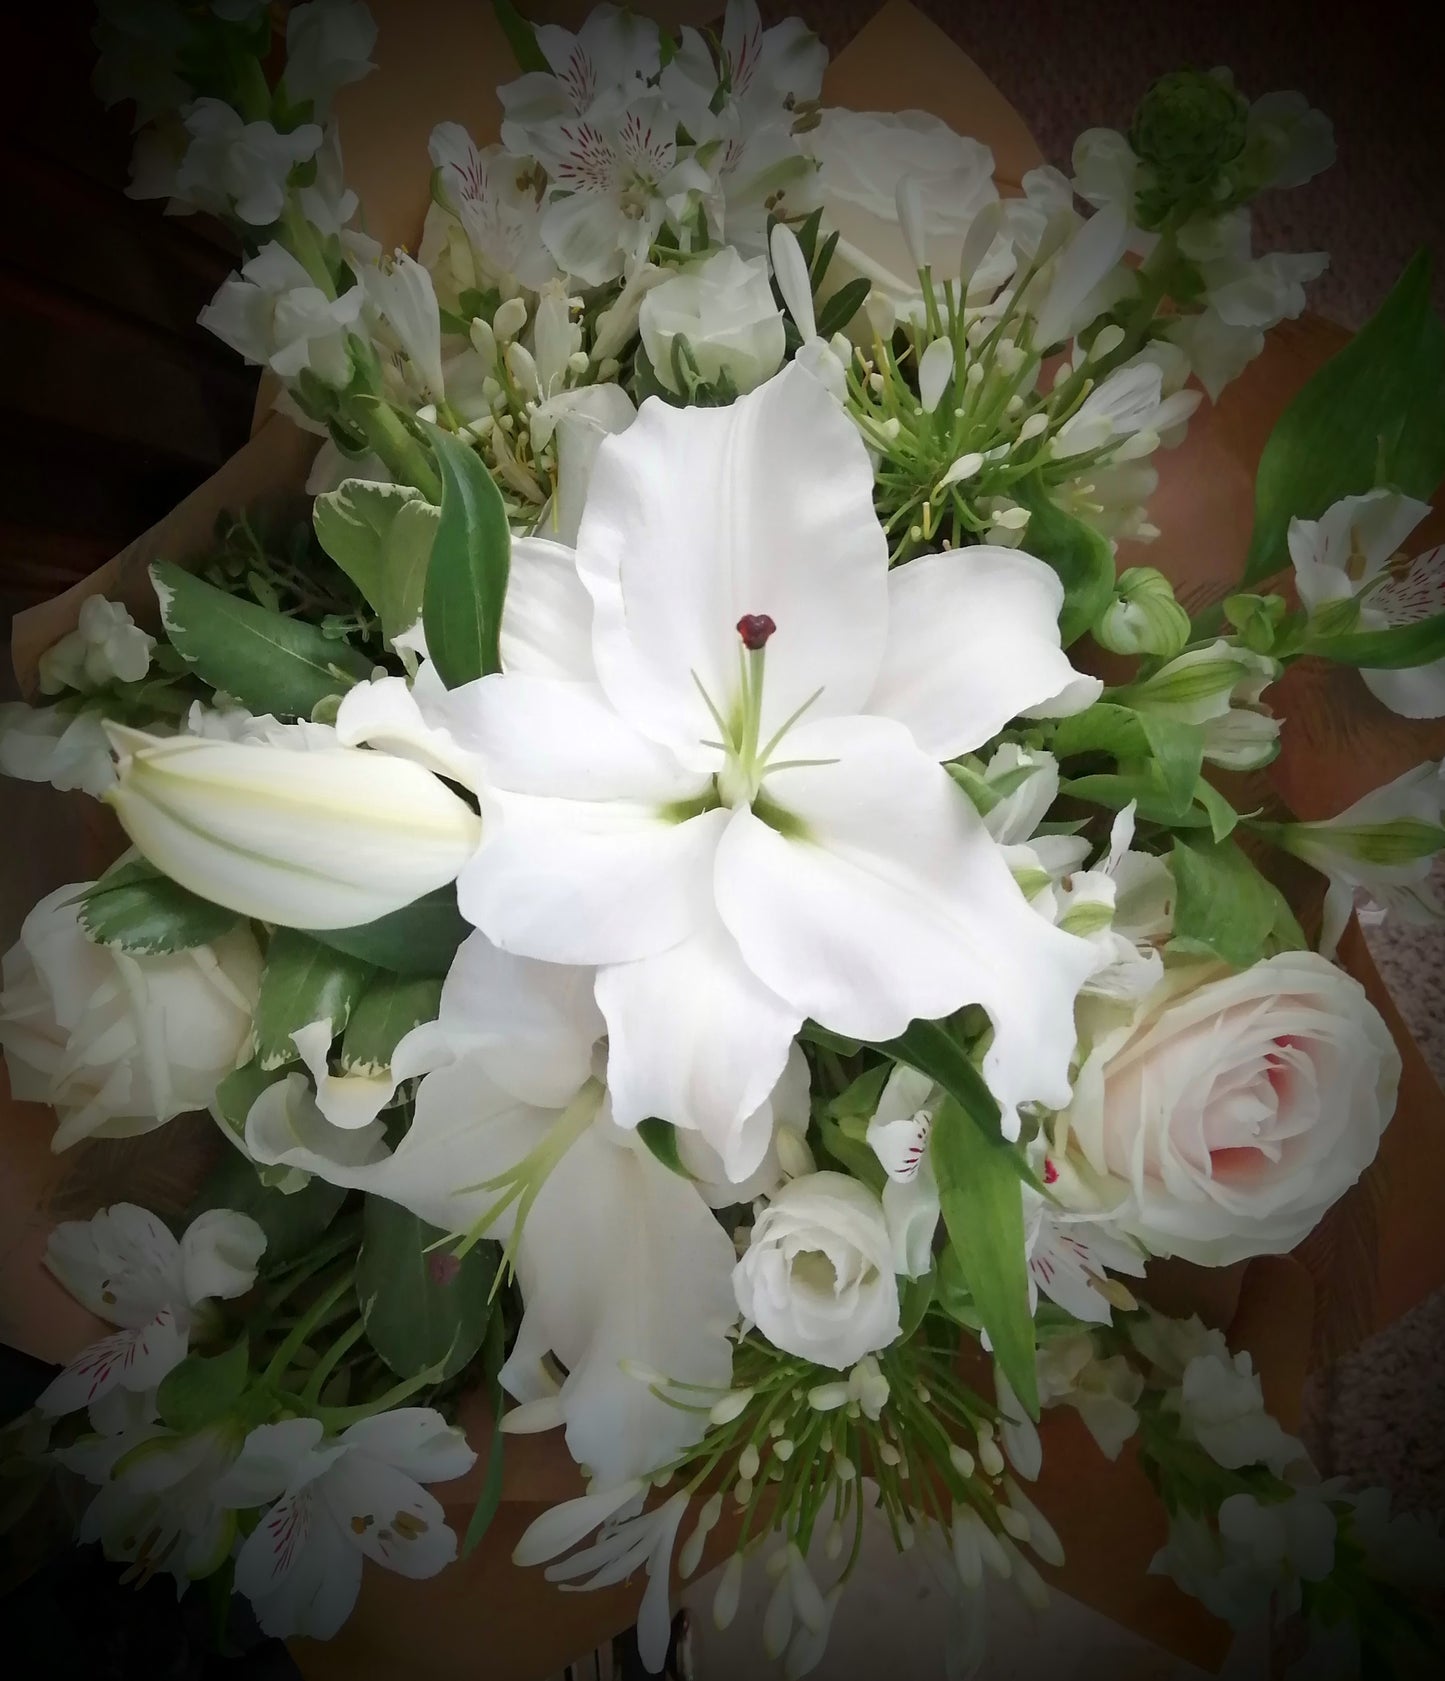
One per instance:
(119,1043)
(817,1278)
(724,308)
(861,157)
(1231,1113)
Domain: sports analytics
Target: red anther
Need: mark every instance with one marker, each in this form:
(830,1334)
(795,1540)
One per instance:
(755,629)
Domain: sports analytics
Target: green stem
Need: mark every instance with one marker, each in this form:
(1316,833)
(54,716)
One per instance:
(300,240)
(404,457)
(338,1418)
(315,1315)
(329,1361)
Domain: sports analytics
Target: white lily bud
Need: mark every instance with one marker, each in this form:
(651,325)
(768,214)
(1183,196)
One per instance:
(908,198)
(828,1397)
(509,320)
(731,1406)
(1042,1536)
(484,342)
(522,366)
(966,465)
(935,367)
(990,1458)
(325,839)
(778,1619)
(748,1463)
(962,1459)
(729,1590)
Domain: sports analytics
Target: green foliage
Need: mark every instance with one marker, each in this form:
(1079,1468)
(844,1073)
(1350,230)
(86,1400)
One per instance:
(521,37)
(982,1198)
(1390,649)
(203,1389)
(844,304)
(1374,414)
(381,537)
(419,939)
(661,1138)
(494,1354)
(1159,759)
(421,1307)
(1082,557)
(466,582)
(1225,908)
(388,1010)
(137,909)
(303,981)
(268,662)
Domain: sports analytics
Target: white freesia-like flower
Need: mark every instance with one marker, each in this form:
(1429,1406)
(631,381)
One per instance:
(45,744)
(127,1268)
(1102,1392)
(106,646)
(328,45)
(1351,551)
(747,830)
(1233,1110)
(488,191)
(862,156)
(232,166)
(119,1042)
(338,1501)
(723,307)
(618,1257)
(1381,846)
(1220,1403)
(817,1276)
(323,839)
(1245,296)
(275,315)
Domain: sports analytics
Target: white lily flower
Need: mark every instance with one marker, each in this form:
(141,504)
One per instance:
(233,165)
(66,749)
(274,315)
(501,217)
(1361,850)
(323,839)
(1351,551)
(619,1258)
(734,865)
(337,1502)
(126,1267)
(328,45)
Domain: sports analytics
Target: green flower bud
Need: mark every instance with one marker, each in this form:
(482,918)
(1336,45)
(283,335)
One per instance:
(1143,617)
(1256,618)
(1403,841)
(1188,128)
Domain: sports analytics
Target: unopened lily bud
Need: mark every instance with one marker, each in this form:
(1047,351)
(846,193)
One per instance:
(1033,427)
(828,1397)
(729,1590)
(963,1461)
(325,839)
(778,1619)
(964,468)
(1106,341)
(1012,519)
(1144,617)
(743,1490)
(833,1545)
(1015,1524)
(807,1600)
(784,1448)
(1042,1536)
(990,1458)
(509,320)
(908,200)
(748,1462)
(935,369)
(523,369)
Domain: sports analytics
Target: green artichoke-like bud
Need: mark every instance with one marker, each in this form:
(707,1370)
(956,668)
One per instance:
(1188,128)
(1143,617)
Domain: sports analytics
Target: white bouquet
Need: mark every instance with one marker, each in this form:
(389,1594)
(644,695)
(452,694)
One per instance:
(665,917)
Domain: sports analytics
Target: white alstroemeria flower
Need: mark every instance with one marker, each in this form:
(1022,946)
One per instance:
(66,749)
(1071,1257)
(828,363)
(328,45)
(610,59)
(1124,906)
(337,1502)
(1023,783)
(106,646)
(898,1135)
(618,1257)
(723,308)
(1380,846)
(491,194)
(273,314)
(739,811)
(1351,551)
(613,174)
(400,291)
(120,1042)
(127,1268)
(232,166)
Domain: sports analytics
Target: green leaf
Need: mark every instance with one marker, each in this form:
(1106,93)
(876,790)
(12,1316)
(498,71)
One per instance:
(1225,908)
(202,1389)
(1383,650)
(851,1154)
(1374,414)
(929,1047)
(239,1090)
(493,1356)
(421,1307)
(1082,558)
(661,1138)
(381,537)
(951,1292)
(983,1211)
(1223,818)
(1162,756)
(466,583)
(861,1097)
(389,1008)
(292,1221)
(840,309)
(303,981)
(136,908)
(266,661)
(917,1298)
(419,939)
(521,37)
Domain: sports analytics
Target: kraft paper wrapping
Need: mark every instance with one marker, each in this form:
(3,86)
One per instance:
(1376,1255)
